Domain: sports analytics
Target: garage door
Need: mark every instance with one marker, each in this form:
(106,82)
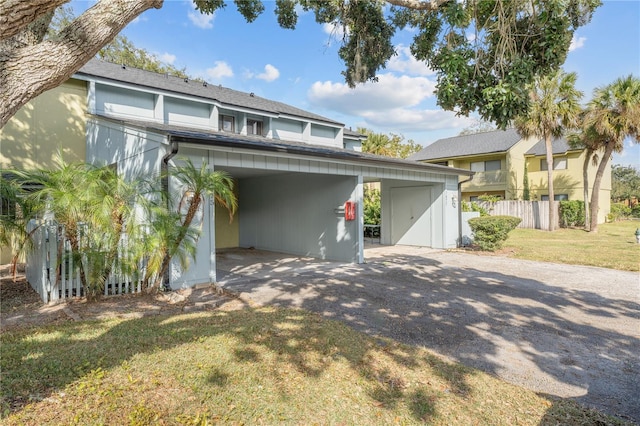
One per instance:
(410,216)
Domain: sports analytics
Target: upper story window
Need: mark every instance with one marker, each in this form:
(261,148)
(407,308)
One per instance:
(227,123)
(486,166)
(559,163)
(254,127)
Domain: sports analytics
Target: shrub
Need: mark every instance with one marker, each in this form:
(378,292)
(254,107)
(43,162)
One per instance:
(571,213)
(618,211)
(371,206)
(635,211)
(490,232)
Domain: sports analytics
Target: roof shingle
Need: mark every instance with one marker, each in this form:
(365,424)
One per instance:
(472,144)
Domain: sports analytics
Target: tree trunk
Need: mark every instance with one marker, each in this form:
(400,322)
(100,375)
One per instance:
(548,142)
(585,192)
(595,194)
(27,70)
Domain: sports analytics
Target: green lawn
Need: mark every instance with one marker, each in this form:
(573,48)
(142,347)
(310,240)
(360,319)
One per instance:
(613,246)
(263,366)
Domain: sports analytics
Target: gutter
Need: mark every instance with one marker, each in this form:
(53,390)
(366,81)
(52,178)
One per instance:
(164,175)
(460,208)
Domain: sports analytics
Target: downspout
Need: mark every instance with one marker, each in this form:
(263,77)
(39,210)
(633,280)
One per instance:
(173,144)
(460,208)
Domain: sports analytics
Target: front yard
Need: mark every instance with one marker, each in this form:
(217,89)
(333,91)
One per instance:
(250,366)
(613,246)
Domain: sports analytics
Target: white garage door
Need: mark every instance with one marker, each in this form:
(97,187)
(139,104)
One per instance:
(410,216)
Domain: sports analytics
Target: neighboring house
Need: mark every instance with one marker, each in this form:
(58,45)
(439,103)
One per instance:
(499,159)
(291,167)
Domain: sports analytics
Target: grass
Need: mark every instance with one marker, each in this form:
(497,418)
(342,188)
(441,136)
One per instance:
(262,366)
(613,246)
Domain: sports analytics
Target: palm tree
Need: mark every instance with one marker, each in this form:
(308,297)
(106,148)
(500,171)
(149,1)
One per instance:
(15,214)
(614,115)
(174,233)
(553,108)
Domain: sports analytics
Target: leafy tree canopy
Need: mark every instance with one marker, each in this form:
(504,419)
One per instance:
(625,183)
(484,52)
(390,145)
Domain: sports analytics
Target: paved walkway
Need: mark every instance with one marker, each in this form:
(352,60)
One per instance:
(568,331)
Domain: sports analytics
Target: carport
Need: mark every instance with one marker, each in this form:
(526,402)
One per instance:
(292,198)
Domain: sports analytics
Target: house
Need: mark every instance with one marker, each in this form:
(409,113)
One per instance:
(294,169)
(502,158)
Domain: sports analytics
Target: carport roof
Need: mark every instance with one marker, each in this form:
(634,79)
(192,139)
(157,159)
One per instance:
(212,138)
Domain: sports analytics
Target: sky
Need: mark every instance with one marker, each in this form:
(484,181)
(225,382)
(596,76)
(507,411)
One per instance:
(302,68)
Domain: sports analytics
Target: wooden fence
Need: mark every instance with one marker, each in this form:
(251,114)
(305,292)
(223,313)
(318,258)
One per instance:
(534,214)
(55,276)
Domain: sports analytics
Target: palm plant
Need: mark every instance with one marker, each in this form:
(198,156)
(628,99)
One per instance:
(174,233)
(92,206)
(16,213)
(553,108)
(613,115)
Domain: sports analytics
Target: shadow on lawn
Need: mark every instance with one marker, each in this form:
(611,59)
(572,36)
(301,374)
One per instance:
(580,342)
(38,363)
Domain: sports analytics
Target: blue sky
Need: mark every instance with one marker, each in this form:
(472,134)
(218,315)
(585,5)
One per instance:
(301,67)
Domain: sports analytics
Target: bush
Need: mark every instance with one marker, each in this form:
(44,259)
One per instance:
(635,211)
(571,213)
(490,232)
(371,206)
(618,211)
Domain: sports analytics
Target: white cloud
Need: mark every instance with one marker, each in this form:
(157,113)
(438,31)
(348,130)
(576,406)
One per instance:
(412,120)
(270,73)
(333,29)
(220,70)
(168,58)
(200,20)
(389,92)
(393,103)
(404,62)
(576,43)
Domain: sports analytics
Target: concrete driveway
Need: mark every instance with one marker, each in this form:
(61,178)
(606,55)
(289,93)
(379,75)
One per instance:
(568,331)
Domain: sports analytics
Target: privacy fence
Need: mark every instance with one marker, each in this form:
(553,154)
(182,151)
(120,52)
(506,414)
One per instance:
(534,214)
(54,273)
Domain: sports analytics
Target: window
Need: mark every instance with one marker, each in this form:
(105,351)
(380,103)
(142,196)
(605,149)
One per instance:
(227,123)
(486,166)
(559,163)
(556,197)
(254,127)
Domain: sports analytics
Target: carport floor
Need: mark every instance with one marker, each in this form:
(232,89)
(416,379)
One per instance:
(564,330)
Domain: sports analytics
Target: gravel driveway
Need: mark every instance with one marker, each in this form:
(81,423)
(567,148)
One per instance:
(563,330)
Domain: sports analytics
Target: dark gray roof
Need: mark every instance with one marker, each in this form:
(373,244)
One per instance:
(215,138)
(473,144)
(353,134)
(560,146)
(224,95)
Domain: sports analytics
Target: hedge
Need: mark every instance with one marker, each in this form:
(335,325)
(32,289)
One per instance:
(490,232)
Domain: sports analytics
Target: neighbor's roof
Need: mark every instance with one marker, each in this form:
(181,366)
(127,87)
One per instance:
(213,138)
(165,82)
(560,146)
(473,144)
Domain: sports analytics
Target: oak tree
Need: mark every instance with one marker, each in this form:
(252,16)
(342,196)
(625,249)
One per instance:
(484,52)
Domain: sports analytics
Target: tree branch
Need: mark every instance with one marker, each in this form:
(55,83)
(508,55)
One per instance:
(16,15)
(428,5)
(26,72)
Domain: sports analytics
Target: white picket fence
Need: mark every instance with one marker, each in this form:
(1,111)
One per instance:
(55,281)
(534,214)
